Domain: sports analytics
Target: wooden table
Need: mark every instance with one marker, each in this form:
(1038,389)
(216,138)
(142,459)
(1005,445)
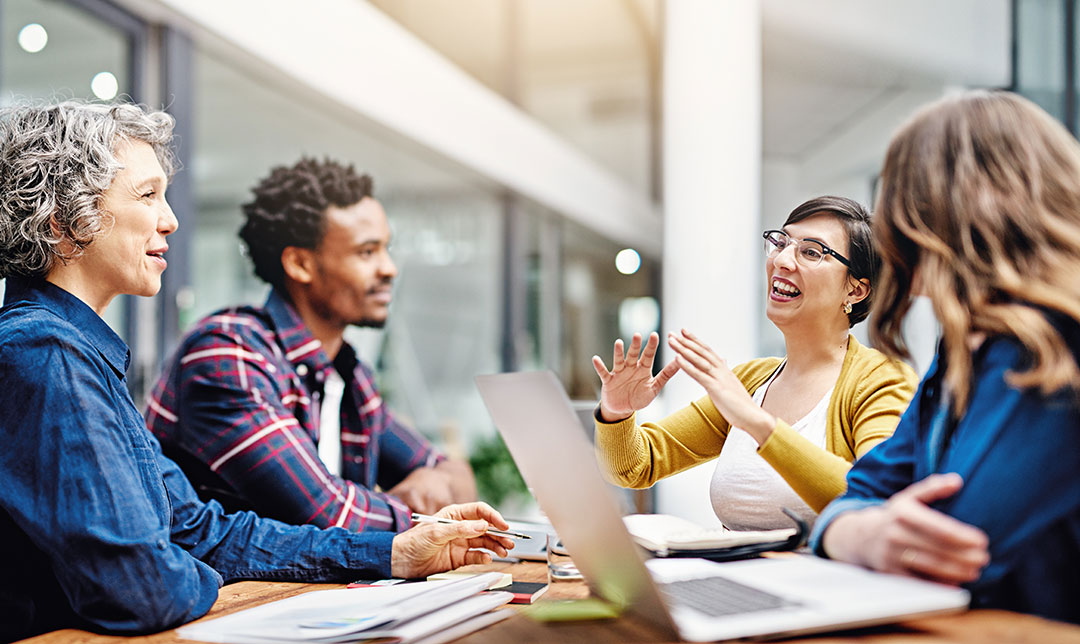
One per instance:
(972,627)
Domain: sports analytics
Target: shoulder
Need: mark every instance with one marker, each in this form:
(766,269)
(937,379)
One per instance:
(248,326)
(868,366)
(33,338)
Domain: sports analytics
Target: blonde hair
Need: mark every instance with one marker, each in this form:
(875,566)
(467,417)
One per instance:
(980,199)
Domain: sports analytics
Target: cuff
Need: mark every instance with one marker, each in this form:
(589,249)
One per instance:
(370,554)
(833,510)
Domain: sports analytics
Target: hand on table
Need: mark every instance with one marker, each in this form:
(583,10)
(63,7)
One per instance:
(428,548)
(907,537)
(725,390)
(425,490)
(630,385)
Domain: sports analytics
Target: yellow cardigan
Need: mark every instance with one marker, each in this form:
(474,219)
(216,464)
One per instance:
(870,395)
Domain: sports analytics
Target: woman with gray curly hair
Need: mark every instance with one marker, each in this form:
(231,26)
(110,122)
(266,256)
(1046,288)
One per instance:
(109,533)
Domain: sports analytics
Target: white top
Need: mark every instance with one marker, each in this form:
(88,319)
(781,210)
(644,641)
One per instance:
(330,422)
(746,492)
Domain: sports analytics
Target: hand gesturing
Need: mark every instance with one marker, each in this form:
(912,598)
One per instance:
(630,385)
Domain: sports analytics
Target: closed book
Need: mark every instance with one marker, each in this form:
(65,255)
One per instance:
(525,592)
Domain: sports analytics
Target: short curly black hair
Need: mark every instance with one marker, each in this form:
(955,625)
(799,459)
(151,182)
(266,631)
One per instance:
(289,209)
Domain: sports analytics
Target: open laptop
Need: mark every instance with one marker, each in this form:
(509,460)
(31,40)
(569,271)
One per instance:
(695,599)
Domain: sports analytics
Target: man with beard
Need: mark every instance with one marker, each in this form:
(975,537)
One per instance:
(268,408)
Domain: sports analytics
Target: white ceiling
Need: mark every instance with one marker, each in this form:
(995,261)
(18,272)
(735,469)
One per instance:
(826,63)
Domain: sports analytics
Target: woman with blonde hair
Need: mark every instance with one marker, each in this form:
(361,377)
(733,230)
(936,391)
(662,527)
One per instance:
(979,210)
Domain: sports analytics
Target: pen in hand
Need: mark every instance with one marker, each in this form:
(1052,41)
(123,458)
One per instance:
(426,518)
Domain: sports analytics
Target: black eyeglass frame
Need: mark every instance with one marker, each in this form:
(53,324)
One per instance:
(828,251)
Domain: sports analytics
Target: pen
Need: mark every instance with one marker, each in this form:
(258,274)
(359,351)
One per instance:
(426,518)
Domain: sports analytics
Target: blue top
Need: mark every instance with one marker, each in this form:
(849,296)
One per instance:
(1018,452)
(98,529)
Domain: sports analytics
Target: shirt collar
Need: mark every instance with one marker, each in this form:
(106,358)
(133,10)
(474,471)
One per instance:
(300,346)
(69,307)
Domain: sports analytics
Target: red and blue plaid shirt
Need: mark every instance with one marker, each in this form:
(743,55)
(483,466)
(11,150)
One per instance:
(235,409)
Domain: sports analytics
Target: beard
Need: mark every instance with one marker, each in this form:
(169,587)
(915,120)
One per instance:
(368,323)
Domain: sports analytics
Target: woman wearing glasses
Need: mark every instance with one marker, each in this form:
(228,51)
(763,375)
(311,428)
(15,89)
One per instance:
(786,430)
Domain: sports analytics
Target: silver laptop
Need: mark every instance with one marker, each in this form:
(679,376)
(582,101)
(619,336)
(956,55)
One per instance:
(695,599)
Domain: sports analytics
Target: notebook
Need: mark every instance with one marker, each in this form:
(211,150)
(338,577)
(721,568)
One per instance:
(695,599)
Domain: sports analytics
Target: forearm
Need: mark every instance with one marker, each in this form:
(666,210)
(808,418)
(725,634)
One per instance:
(637,456)
(817,475)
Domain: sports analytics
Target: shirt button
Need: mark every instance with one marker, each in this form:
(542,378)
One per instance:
(301,370)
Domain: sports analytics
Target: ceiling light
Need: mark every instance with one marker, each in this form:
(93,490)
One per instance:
(33,38)
(105,86)
(627,261)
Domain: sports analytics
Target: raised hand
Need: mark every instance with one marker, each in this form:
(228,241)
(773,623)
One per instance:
(630,385)
(725,390)
(905,536)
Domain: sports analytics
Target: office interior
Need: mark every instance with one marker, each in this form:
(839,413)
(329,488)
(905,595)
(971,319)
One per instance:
(557,173)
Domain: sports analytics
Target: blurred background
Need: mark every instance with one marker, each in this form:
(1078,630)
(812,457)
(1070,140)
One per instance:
(557,173)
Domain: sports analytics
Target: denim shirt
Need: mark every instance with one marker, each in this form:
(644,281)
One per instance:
(1018,452)
(99,530)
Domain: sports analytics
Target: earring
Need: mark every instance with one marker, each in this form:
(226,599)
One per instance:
(847,308)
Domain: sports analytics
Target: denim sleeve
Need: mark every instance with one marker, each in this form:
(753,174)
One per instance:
(245,546)
(74,481)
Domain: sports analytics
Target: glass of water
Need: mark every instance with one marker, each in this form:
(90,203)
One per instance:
(560,566)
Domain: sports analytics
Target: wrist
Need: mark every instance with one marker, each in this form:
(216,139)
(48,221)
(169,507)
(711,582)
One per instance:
(760,426)
(609,417)
(844,535)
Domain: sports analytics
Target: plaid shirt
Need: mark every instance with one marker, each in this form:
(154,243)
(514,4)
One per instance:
(235,409)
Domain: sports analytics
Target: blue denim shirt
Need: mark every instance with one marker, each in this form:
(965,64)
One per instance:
(98,529)
(1018,452)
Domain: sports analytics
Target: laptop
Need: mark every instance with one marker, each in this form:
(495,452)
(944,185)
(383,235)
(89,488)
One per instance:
(694,599)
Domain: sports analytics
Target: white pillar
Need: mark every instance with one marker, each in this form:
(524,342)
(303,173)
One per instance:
(712,196)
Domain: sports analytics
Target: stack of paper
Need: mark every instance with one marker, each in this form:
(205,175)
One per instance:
(405,612)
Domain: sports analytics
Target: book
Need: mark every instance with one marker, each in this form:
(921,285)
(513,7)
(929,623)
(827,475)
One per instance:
(525,592)
(666,535)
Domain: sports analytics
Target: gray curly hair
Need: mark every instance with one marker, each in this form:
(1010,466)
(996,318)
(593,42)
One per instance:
(56,161)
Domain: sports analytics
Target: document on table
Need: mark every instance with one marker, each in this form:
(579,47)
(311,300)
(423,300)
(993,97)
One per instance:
(405,611)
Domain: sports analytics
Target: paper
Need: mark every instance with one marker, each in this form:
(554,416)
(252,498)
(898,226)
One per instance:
(663,533)
(345,615)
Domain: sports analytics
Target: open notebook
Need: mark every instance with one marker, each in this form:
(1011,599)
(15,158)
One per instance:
(665,535)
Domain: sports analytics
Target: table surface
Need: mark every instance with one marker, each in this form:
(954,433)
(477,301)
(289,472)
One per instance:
(974,627)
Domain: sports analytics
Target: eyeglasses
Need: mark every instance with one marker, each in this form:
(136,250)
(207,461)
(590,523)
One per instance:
(809,252)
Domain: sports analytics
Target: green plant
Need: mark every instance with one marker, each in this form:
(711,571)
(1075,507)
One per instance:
(497,477)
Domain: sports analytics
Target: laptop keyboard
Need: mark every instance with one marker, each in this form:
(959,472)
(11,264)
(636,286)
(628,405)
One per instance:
(717,596)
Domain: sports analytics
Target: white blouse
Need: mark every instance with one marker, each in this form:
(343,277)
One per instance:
(746,492)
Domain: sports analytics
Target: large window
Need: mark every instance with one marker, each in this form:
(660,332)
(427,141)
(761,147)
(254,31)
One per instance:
(444,321)
(53,51)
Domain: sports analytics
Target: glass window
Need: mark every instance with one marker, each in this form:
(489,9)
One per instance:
(55,51)
(595,301)
(1040,54)
(444,321)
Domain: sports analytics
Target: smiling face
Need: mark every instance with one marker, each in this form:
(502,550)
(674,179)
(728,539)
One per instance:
(352,270)
(809,295)
(129,256)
